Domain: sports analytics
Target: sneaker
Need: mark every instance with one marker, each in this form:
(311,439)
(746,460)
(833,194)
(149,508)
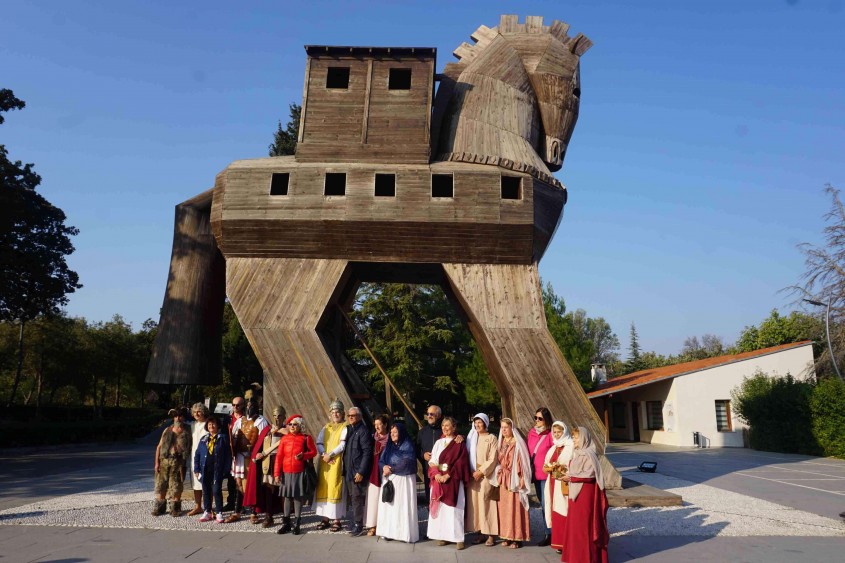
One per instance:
(220,518)
(206,517)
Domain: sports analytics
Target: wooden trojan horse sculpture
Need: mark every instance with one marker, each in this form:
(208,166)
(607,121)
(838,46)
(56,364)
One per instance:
(390,185)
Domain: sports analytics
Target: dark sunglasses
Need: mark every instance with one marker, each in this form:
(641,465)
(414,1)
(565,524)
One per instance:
(539,418)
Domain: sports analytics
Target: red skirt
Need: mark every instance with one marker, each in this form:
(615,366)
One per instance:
(558,520)
(585,538)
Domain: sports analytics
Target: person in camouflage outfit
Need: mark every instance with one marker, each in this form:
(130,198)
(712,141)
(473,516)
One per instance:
(171,464)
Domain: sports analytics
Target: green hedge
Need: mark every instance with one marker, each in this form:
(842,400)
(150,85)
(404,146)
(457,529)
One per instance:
(828,411)
(39,433)
(790,416)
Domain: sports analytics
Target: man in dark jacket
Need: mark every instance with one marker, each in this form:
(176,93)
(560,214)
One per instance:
(357,463)
(426,437)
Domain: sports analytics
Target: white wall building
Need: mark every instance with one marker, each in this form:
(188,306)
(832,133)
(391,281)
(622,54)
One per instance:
(669,405)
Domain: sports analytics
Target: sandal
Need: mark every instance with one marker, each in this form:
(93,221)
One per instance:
(371,532)
(323,525)
(506,543)
(514,545)
(336,526)
(478,540)
(490,541)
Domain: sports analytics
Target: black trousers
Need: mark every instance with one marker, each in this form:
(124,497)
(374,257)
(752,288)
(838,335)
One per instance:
(357,498)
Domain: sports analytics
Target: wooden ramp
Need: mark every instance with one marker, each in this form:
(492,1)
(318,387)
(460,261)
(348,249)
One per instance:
(637,495)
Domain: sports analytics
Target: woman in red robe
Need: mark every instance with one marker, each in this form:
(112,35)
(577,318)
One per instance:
(586,535)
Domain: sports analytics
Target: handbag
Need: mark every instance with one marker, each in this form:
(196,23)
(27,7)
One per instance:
(492,494)
(310,477)
(387,491)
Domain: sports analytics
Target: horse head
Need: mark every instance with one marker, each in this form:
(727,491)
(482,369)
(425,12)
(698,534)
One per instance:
(512,99)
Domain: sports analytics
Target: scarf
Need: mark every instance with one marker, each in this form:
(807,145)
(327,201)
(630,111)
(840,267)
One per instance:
(455,457)
(472,439)
(585,463)
(566,439)
(211,441)
(521,465)
(380,442)
(401,455)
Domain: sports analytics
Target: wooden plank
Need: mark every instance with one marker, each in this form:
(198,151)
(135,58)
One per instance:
(506,317)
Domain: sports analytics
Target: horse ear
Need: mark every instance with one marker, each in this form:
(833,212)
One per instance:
(579,44)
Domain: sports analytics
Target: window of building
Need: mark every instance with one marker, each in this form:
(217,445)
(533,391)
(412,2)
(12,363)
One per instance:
(511,187)
(619,414)
(399,79)
(723,416)
(279,183)
(442,185)
(335,183)
(385,185)
(654,412)
(337,77)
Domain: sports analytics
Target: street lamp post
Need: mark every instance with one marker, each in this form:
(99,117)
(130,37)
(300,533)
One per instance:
(827,330)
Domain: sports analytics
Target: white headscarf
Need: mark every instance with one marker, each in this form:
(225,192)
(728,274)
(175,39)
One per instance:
(521,464)
(585,463)
(566,439)
(472,438)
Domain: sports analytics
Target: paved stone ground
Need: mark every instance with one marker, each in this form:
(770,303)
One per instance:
(101,513)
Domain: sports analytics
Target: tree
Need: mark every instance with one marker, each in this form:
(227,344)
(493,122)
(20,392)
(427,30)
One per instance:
(575,345)
(634,362)
(777,329)
(417,336)
(710,346)
(34,241)
(823,279)
(284,139)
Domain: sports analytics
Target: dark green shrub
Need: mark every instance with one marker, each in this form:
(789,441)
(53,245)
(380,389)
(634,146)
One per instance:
(828,410)
(777,410)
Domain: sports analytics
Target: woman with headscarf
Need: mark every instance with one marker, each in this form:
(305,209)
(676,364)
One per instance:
(482,514)
(586,535)
(397,519)
(555,465)
(514,476)
(382,429)
(296,450)
(539,443)
(448,469)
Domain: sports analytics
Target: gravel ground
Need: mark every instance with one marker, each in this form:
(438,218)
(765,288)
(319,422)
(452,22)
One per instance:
(707,512)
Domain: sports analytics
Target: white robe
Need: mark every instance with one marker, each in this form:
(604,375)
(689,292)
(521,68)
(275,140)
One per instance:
(449,523)
(332,510)
(398,520)
(197,432)
(561,502)
(371,506)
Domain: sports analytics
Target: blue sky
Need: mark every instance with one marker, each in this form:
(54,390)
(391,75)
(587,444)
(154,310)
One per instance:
(707,133)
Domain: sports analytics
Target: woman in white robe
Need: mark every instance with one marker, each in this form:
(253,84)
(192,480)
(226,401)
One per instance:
(448,469)
(397,520)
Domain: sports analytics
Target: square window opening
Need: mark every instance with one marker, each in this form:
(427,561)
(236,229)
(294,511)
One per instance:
(511,187)
(385,185)
(723,416)
(337,77)
(279,183)
(654,410)
(399,79)
(335,183)
(442,185)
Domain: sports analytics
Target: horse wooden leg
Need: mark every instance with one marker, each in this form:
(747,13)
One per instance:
(504,307)
(279,303)
(187,347)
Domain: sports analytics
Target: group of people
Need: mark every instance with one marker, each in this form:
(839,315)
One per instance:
(478,484)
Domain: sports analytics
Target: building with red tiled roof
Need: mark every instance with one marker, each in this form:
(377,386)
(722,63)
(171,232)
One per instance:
(671,404)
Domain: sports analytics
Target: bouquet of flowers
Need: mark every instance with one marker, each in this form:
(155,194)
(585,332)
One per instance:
(559,470)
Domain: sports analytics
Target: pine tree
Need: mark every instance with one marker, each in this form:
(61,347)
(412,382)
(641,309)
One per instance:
(635,358)
(284,140)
